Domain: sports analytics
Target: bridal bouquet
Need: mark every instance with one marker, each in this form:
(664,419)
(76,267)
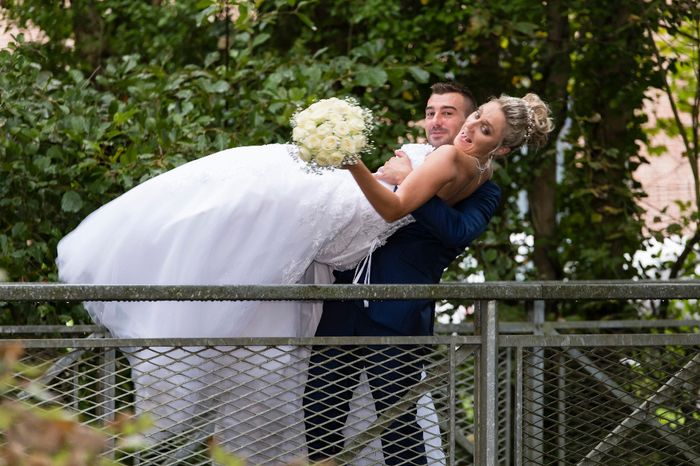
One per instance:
(332,132)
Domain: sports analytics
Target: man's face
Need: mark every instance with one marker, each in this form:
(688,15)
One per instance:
(444,116)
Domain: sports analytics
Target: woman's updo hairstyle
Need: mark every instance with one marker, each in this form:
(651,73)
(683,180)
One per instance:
(528,121)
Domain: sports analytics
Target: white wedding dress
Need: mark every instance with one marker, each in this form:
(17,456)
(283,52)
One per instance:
(248,215)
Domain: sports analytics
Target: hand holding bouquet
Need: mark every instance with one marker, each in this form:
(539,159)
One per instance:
(332,132)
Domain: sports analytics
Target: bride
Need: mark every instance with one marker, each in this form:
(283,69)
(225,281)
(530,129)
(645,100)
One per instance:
(255,215)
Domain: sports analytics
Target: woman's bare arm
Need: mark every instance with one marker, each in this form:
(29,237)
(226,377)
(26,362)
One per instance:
(420,185)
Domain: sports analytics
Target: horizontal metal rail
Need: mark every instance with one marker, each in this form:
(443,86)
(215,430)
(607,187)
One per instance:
(534,290)
(597,325)
(243,341)
(558,341)
(588,340)
(440,329)
(620,324)
(39,329)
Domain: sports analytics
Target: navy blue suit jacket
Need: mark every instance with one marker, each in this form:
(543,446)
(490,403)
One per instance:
(416,254)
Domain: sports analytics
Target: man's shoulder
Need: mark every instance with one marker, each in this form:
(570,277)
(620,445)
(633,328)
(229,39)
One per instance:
(489,193)
(488,190)
(490,186)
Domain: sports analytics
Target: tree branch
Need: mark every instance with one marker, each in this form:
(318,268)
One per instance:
(689,245)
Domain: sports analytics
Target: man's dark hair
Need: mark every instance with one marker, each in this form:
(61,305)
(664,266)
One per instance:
(447,87)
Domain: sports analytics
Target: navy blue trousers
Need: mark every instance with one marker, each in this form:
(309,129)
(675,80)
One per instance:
(334,372)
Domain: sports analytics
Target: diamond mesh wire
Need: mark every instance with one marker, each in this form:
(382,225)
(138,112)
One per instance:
(251,400)
(599,405)
(465,382)
(611,406)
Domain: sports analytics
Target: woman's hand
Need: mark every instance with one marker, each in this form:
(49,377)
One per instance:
(396,169)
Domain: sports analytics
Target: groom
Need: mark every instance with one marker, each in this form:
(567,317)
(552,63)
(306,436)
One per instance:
(417,253)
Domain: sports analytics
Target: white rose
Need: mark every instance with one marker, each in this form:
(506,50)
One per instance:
(356,124)
(360,142)
(301,117)
(324,159)
(332,102)
(299,133)
(337,158)
(353,144)
(336,119)
(313,108)
(321,107)
(329,143)
(356,112)
(322,118)
(308,114)
(307,125)
(348,146)
(304,154)
(342,129)
(313,142)
(325,129)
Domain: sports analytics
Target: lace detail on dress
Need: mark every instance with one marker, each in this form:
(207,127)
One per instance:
(393,227)
(348,257)
(345,224)
(350,223)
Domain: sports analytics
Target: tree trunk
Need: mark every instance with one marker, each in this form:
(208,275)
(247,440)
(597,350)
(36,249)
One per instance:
(88,27)
(542,191)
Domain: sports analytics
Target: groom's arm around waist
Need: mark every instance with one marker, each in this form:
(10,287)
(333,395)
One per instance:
(458,226)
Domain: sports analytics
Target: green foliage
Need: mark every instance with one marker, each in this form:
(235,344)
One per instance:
(87,32)
(670,418)
(601,206)
(677,54)
(34,430)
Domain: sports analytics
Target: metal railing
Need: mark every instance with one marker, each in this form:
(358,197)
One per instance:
(490,393)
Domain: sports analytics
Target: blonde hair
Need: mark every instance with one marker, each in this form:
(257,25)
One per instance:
(528,121)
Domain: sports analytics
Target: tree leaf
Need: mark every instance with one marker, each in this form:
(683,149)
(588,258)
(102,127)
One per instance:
(306,20)
(220,87)
(71,202)
(371,76)
(260,39)
(419,74)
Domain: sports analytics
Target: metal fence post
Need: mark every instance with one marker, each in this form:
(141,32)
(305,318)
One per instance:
(486,370)
(518,428)
(452,457)
(533,431)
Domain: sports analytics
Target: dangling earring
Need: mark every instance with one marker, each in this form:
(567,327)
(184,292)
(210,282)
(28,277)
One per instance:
(484,168)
